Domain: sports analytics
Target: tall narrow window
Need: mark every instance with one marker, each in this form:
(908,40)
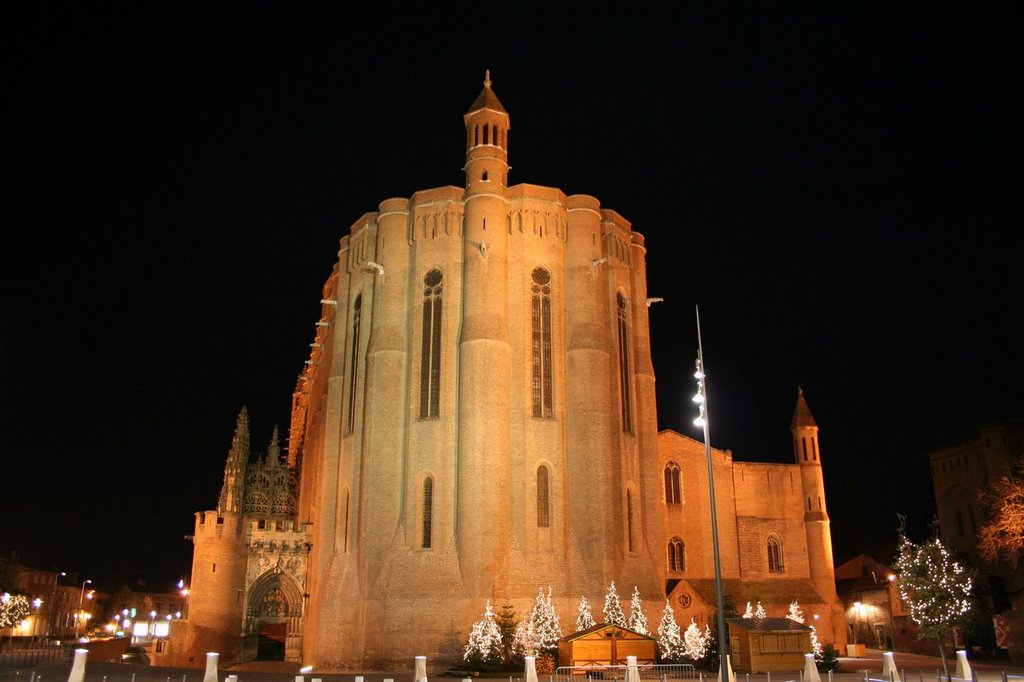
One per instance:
(676,555)
(627,415)
(774,555)
(629,520)
(430,360)
(353,364)
(541,312)
(673,494)
(428,510)
(543,499)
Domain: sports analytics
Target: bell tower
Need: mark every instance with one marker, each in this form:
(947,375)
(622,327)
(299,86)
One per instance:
(483,514)
(816,522)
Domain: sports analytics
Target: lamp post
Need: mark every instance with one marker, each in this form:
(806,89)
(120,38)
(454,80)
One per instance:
(81,605)
(701,398)
(53,604)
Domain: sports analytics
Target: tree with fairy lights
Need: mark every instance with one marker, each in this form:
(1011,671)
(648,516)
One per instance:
(797,614)
(637,619)
(612,608)
(584,617)
(14,608)
(696,642)
(670,643)
(935,587)
(483,650)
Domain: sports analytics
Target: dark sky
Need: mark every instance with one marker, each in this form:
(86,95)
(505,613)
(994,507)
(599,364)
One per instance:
(839,190)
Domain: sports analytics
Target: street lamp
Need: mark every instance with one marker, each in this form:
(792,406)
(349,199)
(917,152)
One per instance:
(702,420)
(79,617)
(53,603)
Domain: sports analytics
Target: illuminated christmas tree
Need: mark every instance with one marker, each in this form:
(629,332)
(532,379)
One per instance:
(935,587)
(670,643)
(584,618)
(612,609)
(637,619)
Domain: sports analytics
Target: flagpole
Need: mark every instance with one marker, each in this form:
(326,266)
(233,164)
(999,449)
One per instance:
(702,420)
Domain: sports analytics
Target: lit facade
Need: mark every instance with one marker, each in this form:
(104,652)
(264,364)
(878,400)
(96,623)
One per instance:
(477,420)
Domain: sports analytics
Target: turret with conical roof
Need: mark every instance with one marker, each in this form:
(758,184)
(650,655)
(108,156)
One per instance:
(816,522)
(484,426)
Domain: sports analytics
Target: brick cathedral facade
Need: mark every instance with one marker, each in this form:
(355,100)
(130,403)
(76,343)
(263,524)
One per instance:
(476,421)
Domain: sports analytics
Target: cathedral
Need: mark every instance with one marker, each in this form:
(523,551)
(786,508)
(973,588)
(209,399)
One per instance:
(476,421)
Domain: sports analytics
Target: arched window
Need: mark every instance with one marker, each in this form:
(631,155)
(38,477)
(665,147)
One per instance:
(623,327)
(541,313)
(543,498)
(353,363)
(428,510)
(430,357)
(673,489)
(676,555)
(775,564)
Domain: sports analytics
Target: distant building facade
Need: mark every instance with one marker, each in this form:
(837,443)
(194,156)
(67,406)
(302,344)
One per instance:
(477,420)
(961,471)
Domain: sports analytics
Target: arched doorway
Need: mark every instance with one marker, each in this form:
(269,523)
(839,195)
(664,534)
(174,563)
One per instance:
(273,629)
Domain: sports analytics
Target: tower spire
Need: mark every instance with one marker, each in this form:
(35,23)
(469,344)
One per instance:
(232,490)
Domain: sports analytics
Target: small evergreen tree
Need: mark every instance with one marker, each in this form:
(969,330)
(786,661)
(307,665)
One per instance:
(612,609)
(525,643)
(797,614)
(759,611)
(670,643)
(749,612)
(14,608)
(507,626)
(696,642)
(584,618)
(483,650)
(637,619)
(546,624)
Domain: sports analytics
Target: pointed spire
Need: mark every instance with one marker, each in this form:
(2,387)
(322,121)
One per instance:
(802,416)
(486,99)
(234,469)
(274,450)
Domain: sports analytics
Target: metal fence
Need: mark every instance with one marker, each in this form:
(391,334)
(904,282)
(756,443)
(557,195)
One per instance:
(23,658)
(661,673)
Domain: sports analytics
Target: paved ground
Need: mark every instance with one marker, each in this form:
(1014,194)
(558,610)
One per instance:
(913,668)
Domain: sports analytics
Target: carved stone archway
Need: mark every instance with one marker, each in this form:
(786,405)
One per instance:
(273,618)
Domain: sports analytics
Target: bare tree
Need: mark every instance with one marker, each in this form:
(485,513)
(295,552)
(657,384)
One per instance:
(1003,536)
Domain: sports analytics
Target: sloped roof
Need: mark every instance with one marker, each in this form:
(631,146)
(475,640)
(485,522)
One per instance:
(486,99)
(802,413)
(768,624)
(598,628)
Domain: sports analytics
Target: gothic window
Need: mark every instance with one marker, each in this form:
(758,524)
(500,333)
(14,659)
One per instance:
(629,521)
(623,327)
(676,555)
(356,312)
(428,510)
(541,313)
(775,564)
(673,489)
(543,502)
(430,357)
(257,502)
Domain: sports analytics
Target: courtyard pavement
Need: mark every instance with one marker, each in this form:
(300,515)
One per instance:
(912,667)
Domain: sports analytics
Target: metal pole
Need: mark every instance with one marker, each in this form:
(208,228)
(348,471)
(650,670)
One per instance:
(702,383)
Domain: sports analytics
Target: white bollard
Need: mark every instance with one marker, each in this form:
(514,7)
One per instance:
(889,671)
(211,667)
(963,668)
(421,669)
(726,665)
(810,670)
(232,678)
(359,678)
(632,672)
(531,668)
(78,667)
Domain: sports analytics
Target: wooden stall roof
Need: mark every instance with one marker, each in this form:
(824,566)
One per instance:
(768,624)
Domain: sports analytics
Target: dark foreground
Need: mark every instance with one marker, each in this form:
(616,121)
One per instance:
(913,668)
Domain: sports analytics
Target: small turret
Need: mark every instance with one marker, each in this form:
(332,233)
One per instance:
(233,490)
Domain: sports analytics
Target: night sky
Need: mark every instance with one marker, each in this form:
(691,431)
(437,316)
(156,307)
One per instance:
(838,190)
